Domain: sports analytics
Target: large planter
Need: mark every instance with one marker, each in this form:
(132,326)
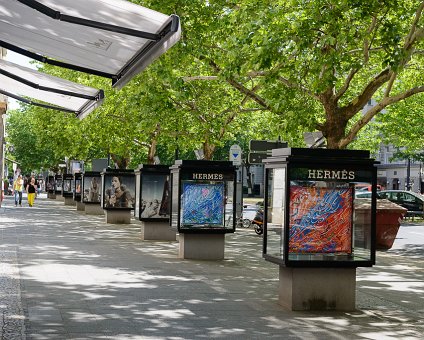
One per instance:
(388,218)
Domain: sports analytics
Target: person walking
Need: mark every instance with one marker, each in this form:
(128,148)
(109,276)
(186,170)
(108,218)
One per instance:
(18,187)
(31,189)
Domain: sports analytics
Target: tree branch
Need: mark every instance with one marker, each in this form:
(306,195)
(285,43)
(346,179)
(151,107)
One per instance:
(359,102)
(415,35)
(367,44)
(136,141)
(371,113)
(255,97)
(292,85)
(200,78)
(346,84)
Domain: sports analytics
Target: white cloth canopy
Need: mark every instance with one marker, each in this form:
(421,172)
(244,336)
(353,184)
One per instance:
(44,90)
(110,38)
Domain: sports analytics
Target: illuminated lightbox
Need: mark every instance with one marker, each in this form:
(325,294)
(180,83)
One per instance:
(320,219)
(91,187)
(152,193)
(203,204)
(312,218)
(118,189)
(203,196)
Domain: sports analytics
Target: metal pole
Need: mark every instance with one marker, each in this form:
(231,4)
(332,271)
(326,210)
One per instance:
(2,144)
(408,175)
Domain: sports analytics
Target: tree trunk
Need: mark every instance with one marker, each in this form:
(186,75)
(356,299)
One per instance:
(152,152)
(153,145)
(121,162)
(208,150)
(334,128)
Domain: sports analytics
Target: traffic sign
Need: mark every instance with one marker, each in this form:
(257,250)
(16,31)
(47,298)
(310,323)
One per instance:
(235,154)
(257,157)
(265,145)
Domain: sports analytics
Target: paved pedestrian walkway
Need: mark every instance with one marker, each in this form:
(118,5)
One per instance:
(66,275)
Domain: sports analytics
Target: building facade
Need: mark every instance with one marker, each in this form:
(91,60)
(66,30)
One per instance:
(394,173)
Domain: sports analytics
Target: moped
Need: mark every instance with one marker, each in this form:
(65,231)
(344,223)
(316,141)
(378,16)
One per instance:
(258,222)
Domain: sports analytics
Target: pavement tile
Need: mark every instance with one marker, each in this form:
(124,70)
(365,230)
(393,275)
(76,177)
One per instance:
(66,275)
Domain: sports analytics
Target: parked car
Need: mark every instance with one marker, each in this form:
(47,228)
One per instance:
(365,194)
(366,187)
(410,200)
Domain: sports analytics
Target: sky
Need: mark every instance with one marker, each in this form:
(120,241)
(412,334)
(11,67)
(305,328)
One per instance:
(20,60)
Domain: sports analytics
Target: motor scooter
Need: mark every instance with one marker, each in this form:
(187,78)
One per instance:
(258,222)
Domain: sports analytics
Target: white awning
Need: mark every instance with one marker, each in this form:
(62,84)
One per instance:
(109,38)
(36,88)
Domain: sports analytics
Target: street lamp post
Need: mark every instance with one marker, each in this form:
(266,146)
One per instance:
(408,175)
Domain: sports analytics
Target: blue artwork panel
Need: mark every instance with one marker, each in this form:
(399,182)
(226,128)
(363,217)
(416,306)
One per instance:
(203,204)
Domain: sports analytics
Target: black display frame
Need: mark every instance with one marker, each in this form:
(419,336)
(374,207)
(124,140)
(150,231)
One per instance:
(160,172)
(126,176)
(291,160)
(67,183)
(91,175)
(202,171)
(77,182)
(50,184)
(58,184)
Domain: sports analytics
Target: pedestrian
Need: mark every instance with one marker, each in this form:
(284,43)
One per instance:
(31,190)
(39,184)
(18,187)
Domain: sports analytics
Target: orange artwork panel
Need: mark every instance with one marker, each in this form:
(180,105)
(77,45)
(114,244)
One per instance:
(320,220)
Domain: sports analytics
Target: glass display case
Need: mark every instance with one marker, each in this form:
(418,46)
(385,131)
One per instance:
(58,184)
(312,218)
(76,166)
(91,187)
(203,196)
(77,186)
(152,193)
(50,184)
(68,185)
(118,189)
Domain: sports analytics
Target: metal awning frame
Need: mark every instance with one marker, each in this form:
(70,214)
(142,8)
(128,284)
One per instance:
(157,40)
(78,114)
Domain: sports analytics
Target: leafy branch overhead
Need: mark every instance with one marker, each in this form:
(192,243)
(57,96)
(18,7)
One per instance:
(338,54)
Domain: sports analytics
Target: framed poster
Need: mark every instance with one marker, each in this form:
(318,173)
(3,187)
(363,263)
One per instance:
(154,196)
(92,189)
(119,191)
(203,203)
(320,219)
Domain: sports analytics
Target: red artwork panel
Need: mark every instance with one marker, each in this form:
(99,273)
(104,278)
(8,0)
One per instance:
(320,220)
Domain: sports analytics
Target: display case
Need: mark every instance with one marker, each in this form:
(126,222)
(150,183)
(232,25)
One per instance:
(118,189)
(203,196)
(152,193)
(58,184)
(77,187)
(50,184)
(91,187)
(68,185)
(76,166)
(311,216)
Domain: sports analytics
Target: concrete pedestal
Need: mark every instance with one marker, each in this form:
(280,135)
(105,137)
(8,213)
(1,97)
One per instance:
(70,201)
(94,209)
(157,231)
(118,216)
(202,246)
(80,206)
(317,288)
(59,197)
(51,195)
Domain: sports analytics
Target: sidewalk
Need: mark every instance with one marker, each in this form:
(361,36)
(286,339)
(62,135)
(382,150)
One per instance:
(65,275)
